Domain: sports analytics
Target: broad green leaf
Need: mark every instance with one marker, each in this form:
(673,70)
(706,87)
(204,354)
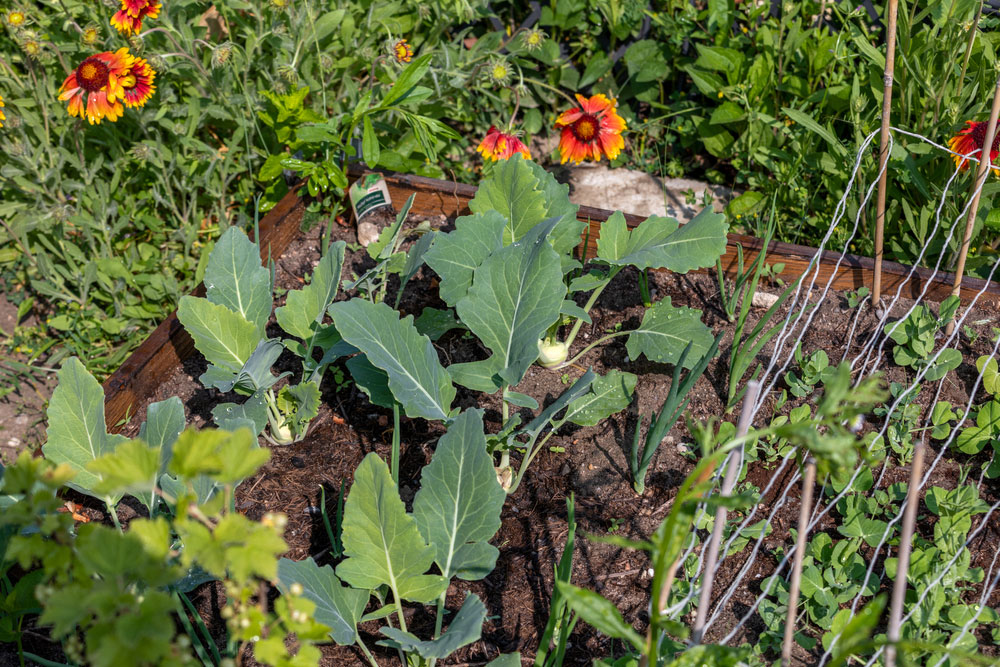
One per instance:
(608,395)
(300,404)
(164,422)
(457,508)
(225,338)
(255,375)
(415,258)
(599,612)
(575,392)
(250,414)
(416,377)
(373,381)
(338,607)
(506,660)
(566,235)
(478,375)
(515,296)
(858,630)
(455,256)
(304,309)
(658,243)
(381,541)
(512,190)
(665,332)
(434,322)
(77,434)
(991,375)
(234,278)
(465,628)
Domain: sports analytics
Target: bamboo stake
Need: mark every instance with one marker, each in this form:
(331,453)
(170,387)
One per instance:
(728,482)
(808,482)
(883,149)
(905,545)
(970,221)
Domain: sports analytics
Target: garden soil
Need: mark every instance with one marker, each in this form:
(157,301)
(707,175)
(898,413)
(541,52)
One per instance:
(588,464)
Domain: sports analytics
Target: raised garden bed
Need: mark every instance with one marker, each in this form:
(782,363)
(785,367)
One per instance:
(590,462)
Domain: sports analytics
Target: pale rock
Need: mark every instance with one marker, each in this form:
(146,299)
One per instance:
(367,233)
(763,300)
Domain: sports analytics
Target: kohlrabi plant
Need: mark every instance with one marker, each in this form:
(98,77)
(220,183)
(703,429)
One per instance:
(402,557)
(229,327)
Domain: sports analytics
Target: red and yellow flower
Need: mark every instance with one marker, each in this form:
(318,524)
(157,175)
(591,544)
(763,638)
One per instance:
(402,51)
(129,18)
(109,81)
(591,130)
(969,143)
(499,145)
(2,116)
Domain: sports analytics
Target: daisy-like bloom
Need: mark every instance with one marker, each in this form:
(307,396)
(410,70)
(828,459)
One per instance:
(100,78)
(128,19)
(969,142)
(591,130)
(498,71)
(137,86)
(402,51)
(2,116)
(533,39)
(15,18)
(90,35)
(499,145)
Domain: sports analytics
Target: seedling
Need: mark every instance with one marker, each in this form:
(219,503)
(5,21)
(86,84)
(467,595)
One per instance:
(814,368)
(857,297)
(914,338)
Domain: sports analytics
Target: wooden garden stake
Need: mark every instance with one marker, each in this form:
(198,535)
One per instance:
(728,482)
(970,220)
(883,148)
(905,545)
(808,482)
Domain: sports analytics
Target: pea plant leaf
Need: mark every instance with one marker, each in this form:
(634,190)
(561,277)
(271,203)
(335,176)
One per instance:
(224,337)
(77,434)
(457,508)
(455,256)
(608,395)
(416,377)
(338,607)
(304,309)
(661,243)
(516,294)
(465,628)
(382,542)
(665,332)
(235,278)
(513,191)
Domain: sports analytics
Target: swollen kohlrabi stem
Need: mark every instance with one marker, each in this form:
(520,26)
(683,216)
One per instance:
(280,431)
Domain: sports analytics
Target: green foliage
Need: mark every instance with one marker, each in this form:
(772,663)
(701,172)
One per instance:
(813,369)
(915,340)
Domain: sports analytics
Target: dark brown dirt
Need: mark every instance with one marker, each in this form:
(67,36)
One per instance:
(592,467)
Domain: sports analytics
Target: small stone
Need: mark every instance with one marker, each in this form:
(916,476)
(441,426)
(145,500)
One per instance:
(763,300)
(298,462)
(367,233)
(383,420)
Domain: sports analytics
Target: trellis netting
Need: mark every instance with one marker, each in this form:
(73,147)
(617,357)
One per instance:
(867,354)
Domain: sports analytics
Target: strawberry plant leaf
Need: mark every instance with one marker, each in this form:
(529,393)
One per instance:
(516,295)
(235,278)
(465,628)
(607,395)
(660,243)
(457,508)
(665,332)
(224,337)
(381,541)
(513,191)
(304,309)
(456,255)
(338,607)
(77,434)
(416,377)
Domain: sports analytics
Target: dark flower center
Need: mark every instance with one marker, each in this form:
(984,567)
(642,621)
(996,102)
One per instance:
(92,74)
(978,135)
(585,129)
